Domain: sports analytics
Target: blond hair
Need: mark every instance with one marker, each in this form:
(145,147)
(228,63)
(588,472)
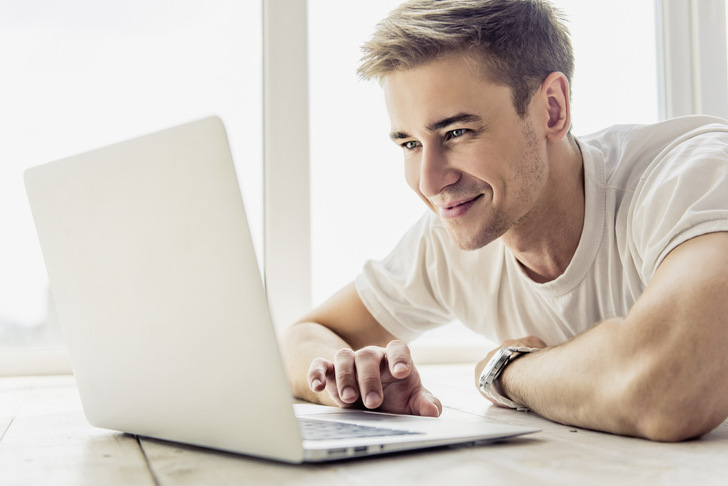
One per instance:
(520,42)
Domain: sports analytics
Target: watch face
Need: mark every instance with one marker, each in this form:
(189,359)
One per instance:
(500,359)
(492,369)
(491,372)
(496,357)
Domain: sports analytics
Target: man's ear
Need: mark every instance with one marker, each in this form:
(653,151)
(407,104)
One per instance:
(555,95)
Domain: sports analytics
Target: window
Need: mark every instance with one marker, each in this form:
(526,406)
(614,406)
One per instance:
(615,79)
(360,203)
(81,74)
(693,65)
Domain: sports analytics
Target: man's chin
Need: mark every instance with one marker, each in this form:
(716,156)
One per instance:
(475,233)
(471,242)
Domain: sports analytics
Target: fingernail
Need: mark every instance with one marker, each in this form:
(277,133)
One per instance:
(348,393)
(400,367)
(372,400)
(315,384)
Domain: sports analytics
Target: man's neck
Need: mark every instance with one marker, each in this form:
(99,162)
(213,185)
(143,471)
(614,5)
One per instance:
(544,243)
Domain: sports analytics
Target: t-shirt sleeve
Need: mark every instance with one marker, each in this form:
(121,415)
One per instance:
(683,194)
(400,291)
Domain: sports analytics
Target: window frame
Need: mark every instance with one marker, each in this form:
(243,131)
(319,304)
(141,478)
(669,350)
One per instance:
(691,57)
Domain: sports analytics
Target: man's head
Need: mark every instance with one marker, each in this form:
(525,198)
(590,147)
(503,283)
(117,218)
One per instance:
(479,102)
(518,42)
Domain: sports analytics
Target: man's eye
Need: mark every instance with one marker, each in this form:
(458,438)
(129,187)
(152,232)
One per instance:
(411,145)
(458,132)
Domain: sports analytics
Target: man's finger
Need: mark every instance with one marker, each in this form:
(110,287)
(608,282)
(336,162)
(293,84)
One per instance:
(346,382)
(317,374)
(368,364)
(399,358)
(427,405)
(528,341)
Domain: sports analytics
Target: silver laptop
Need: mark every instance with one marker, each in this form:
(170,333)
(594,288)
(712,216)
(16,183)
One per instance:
(159,294)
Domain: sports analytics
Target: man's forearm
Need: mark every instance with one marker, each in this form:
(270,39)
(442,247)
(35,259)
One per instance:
(583,382)
(607,379)
(301,344)
(659,373)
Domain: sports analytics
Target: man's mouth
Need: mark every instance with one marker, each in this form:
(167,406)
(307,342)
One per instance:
(455,209)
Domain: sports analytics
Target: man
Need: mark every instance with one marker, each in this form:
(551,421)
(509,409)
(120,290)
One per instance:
(602,260)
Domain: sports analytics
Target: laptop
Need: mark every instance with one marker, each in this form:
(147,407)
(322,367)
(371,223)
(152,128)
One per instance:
(162,305)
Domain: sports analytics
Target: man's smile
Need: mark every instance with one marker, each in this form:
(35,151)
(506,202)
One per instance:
(455,209)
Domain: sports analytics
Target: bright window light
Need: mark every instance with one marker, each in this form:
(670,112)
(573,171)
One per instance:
(80,74)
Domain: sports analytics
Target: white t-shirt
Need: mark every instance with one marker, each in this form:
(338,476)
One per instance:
(647,190)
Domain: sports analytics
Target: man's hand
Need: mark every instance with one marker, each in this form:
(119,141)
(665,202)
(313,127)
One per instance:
(375,377)
(528,341)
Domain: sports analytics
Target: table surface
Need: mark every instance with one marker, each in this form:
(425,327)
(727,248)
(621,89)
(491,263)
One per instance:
(45,439)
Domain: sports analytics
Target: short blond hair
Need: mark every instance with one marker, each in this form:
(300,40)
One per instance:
(520,42)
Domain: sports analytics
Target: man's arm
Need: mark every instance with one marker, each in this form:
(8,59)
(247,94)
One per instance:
(661,372)
(340,355)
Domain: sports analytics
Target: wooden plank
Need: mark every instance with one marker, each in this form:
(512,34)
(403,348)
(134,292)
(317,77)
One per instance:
(181,465)
(12,395)
(49,442)
(557,455)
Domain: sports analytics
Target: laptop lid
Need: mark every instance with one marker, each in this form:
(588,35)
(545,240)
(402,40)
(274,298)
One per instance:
(158,291)
(159,294)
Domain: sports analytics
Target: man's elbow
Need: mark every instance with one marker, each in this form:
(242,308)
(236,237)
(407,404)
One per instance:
(671,428)
(670,420)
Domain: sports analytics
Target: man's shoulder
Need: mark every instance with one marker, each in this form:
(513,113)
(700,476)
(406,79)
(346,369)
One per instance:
(627,151)
(673,189)
(660,133)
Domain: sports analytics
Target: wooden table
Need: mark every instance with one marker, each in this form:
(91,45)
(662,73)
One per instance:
(45,440)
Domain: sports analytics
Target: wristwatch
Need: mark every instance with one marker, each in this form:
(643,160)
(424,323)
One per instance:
(502,358)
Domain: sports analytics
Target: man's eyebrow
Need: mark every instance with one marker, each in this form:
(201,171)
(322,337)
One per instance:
(459,118)
(399,135)
(440,124)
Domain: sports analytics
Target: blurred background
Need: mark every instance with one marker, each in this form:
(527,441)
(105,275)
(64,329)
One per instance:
(79,74)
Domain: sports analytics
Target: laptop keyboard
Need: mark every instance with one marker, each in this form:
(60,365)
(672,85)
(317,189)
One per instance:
(312,429)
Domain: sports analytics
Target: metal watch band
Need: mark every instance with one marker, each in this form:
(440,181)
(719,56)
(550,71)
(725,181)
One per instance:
(493,370)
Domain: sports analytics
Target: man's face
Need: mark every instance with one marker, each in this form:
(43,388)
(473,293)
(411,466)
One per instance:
(468,154)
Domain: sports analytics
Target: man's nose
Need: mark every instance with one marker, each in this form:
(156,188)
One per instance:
(436,171)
